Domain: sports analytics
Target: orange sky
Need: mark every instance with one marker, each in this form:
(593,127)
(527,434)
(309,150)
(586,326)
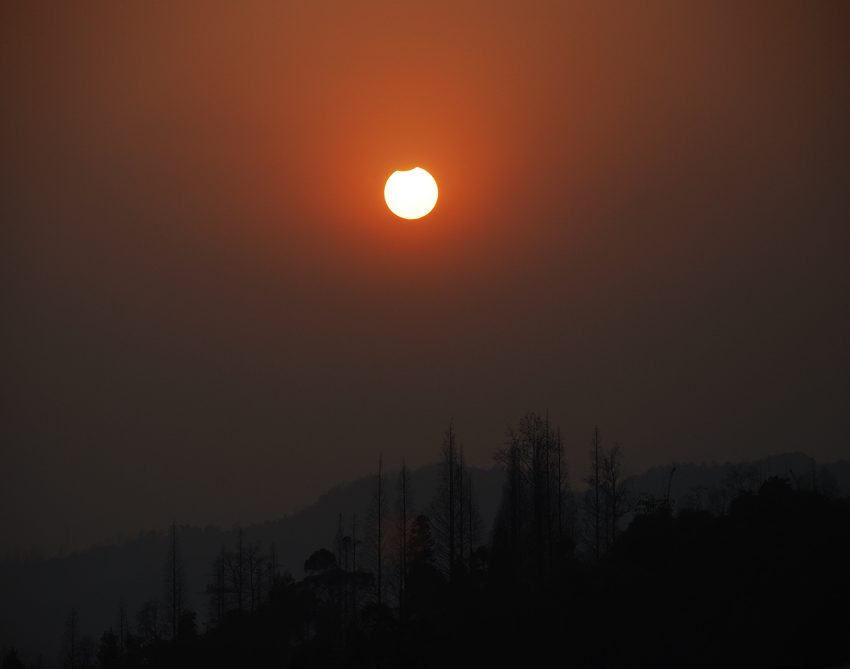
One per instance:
(209,314)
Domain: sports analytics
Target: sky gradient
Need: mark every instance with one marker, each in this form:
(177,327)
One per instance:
(208,313)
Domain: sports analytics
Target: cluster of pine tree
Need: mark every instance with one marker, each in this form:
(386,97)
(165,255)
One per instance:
(762,582)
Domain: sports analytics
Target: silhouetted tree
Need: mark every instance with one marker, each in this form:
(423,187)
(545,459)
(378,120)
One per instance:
(461,481)
(377,521)
(71,656)
(426,586)
(593,498)
(470,526)
(174,587)
(421,542)
(697,498)
(617,492)
(531,523)
(236,570)
(563,493)
(108,654)
(508,530)
(272,570)
(240,578)
(322,574)
(88,651)
(122,626)
(217,588)
(743,478)
(350,579)
(342,546)
(255,566)
(150,622)
(12,660)
(404,520)
(650,505)
(354,543)
(445,508)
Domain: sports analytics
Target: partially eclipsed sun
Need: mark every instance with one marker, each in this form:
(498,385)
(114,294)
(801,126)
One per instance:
(411,194)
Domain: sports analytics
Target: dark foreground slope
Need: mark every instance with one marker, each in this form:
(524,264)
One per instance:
(765,584)
(36,595)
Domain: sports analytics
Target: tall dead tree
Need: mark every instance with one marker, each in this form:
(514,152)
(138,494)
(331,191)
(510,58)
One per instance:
(354,542)
(149,622)
(594,496)
(565,511)
(236,570)
(445,507)
(71,657)
(255,568)
(271,572)
(617,490)
(530,528)
(404,521)
(175,593)
(123,627)
(377,533)
(340,544)
(509,534)
(461,495)
(218,592)
(474,524)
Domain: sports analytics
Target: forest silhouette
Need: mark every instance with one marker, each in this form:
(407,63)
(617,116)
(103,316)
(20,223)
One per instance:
(753,575)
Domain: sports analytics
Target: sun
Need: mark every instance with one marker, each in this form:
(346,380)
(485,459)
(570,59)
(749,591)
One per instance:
(411,194)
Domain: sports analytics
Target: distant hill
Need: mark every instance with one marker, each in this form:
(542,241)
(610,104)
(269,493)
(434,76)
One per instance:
(695,483)
(36,595)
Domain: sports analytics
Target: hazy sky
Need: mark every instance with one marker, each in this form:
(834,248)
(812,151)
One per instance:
(208,313)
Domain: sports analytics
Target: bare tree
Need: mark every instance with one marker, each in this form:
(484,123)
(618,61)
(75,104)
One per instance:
(271,572)
(354,543)
(593,499)
(255,566)
(217,589)
(71,656)
(445,507)
(508,531)
(474,522)
(236,571)
(531,525)
(377,530)
(149,622)
(468,525)
(564,494)
(123,627)
(617,491)
(342,543)
(241,578)
(88,651)
(404,522)
(174,584)
(463,491)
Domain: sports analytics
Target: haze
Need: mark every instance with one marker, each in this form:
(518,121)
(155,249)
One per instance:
(208,313)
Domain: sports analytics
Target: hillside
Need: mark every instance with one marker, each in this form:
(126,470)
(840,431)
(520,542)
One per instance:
(36,595)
